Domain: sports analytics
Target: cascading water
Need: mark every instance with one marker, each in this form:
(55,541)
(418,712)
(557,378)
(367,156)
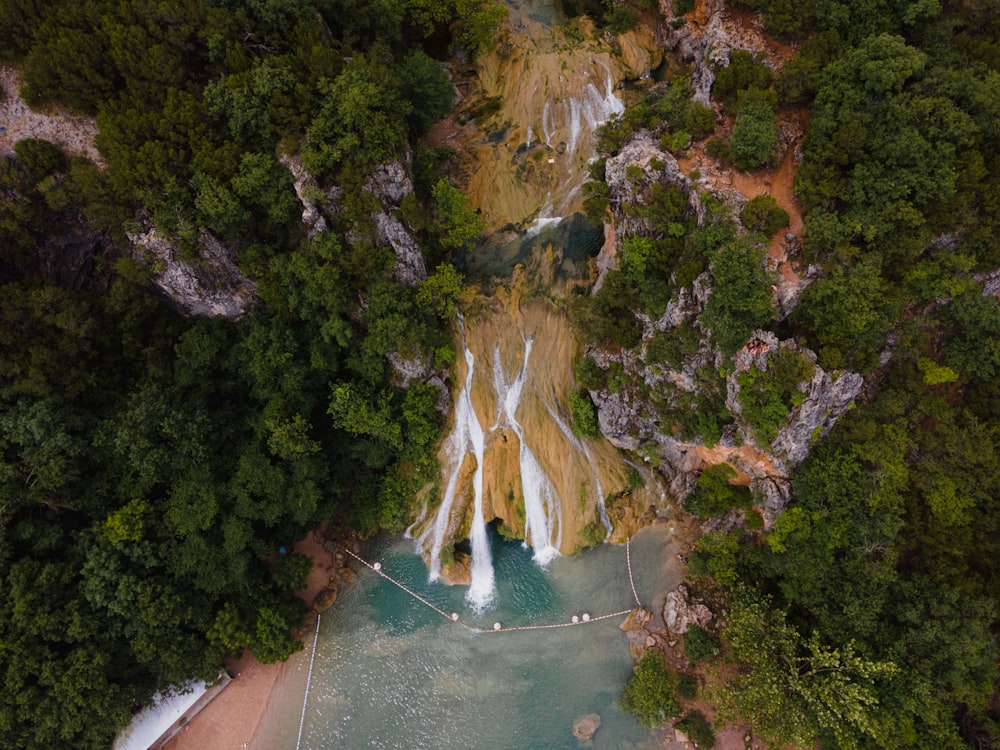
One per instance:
(466,437)
(602,510)
(542,510)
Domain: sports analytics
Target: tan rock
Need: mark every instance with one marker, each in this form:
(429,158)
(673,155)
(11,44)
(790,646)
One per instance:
(586,726)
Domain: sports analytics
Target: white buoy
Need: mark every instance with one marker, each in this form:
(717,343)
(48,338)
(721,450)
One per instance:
(377,566)
(496,626)
(586,617)
(575,619)
(454,616)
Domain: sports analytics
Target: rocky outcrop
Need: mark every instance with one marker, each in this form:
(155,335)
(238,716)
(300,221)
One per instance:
(827,396)
(708,46)
(680,613)
(390,184)
(212,286)
(639,629)
(309,193)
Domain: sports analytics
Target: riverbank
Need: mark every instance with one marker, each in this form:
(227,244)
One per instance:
(231,721)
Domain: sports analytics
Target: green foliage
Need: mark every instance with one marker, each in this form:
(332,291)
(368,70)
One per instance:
(754,140)
(687,686)
(584,415)
(763,214)
(799,689)
(848,315)
(715,494)
(460,225)
(649,693)
(698,730)
(743,72)
(741,295)
(768,396)
(700,645)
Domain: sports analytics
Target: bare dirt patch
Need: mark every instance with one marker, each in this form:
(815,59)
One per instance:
(18,121)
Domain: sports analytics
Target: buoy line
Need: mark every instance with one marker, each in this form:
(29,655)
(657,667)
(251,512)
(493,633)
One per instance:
(497,627)
(628,561)
(309,676)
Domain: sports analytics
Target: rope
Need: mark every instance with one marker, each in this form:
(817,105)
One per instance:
(309,676)
(586,620)
(628,560)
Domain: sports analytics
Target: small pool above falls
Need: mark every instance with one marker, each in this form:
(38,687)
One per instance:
(391,673)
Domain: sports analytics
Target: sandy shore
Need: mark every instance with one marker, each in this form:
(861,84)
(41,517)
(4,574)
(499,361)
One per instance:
(231,720)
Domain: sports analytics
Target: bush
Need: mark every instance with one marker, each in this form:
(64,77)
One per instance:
(699,120)
(698,730)
(687,687)
(743,72)
(763,214)
(717,149)
(584,415)
(754,139)
(700,645)
(714,495)
(649,693)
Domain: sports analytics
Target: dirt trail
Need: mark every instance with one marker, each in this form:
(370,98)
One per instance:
(18,121)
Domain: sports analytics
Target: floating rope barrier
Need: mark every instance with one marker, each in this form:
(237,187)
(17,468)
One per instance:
(628,561)
(586,619)
(309,676)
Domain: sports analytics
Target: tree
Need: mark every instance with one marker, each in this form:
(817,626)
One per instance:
(754,139)
(650,693)
(741,295)
(460,225)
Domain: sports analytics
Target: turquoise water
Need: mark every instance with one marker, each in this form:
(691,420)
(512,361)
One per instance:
(392,673)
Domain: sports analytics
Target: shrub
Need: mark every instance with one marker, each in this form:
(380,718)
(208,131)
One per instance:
(743,72)
(584,415)
(698,730)
(699,120)
(754,139)
(649,693)
(700,645)
(714,495)
(763,214)
(717,149)
(687,687)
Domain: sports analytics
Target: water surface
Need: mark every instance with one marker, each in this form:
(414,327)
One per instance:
(391,673)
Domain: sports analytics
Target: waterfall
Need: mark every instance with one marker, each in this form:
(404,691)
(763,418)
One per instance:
(577,443)
(466,437)
(542,511)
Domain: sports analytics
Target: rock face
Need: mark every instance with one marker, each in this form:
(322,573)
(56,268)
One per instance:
(827,396)
(680,613)
(308,191)
(390,184)
(210,287)
(586,726)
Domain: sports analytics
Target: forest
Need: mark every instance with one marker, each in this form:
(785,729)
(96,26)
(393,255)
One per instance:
(152,465)
(867,616)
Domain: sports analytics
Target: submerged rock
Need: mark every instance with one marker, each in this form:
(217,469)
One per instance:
(586,726)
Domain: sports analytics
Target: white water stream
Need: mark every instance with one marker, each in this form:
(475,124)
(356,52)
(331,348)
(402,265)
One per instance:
(542,510)
(466,437)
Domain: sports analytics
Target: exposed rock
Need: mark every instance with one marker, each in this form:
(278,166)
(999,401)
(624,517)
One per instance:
(211,287)
(307,190)
(709,47)
(458,572)
(990,282)
(390,184)
(679,613)
(346,575)
(776,493)
(586,726)
(827,396)
(637,619)
(410,267)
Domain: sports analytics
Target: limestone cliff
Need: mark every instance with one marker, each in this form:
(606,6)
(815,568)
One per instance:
(209,285)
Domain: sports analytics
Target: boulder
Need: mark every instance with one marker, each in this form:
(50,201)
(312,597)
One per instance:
(680,613)
(586,726)
(325,598)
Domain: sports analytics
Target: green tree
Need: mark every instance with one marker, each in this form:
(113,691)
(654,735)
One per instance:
(650,693)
